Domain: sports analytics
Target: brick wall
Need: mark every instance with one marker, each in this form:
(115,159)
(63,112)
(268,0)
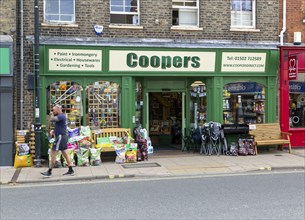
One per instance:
(7,16)
(214,19)
(295,13)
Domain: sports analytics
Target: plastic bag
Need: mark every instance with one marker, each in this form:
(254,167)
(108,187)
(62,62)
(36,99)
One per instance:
(82,156)
(103,142)
(23,160)
(85,131)
(73,132)
(23,149)
(131,156)
(120,153)
(95,156)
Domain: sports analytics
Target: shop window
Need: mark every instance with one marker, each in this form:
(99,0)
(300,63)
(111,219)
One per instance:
(185,13)
(198,104)
(243,13)
(124,12)
(59,11)
(103,99)
(68,95)
(297,102)
(139,103)
(243,102)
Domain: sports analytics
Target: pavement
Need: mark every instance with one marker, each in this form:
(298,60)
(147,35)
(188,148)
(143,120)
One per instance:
(164,163)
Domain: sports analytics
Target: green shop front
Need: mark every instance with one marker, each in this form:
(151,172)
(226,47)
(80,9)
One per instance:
(168,91)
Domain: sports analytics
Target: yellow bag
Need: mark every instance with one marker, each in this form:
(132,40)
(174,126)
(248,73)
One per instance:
(23,161)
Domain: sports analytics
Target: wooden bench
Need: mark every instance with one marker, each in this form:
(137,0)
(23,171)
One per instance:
(269,134)
(107,132)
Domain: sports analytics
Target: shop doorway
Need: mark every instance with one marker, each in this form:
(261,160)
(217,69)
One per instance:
(165,119)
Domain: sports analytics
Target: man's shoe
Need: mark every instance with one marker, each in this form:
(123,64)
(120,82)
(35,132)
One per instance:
(70,173)
(46,174)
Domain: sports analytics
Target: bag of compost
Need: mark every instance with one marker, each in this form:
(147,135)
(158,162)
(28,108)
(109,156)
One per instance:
(95,156)
(82,156)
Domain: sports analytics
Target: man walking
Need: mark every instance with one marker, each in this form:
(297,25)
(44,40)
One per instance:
(61,140)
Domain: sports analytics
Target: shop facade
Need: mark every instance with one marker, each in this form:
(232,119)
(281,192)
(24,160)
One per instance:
(292,92)
(166,90)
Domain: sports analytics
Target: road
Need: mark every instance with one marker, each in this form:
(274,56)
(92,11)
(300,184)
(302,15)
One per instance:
(253,196)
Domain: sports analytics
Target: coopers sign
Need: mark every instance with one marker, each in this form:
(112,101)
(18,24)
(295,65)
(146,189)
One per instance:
(121,60)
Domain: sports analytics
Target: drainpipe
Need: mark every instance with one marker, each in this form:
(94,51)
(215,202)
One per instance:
(37,126)
(21,65)
(284,24)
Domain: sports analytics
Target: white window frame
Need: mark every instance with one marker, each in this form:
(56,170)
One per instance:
(124,12)
(58,21)
(241,12)
(183,7)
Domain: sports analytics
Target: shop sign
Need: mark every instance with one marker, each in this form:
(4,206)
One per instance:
(243,62)
(296,87)
(243,87)
(75,60)
(122,60)
(292,67)
(5,61)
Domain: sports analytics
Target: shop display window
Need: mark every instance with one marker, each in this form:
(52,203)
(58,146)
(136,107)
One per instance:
(198,104)
(68,95)
(139,103)
(243,103)
(103,99)
(297,102)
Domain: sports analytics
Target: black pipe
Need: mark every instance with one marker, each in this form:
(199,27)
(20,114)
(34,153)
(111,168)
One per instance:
(37,125)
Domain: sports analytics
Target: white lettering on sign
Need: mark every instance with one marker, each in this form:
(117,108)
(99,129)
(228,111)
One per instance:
(75,60)
(178,61)
(292,67)
(243,62)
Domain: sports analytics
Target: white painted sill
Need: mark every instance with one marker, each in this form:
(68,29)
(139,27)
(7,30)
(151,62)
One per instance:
(186,28)
(126,27)
(59,25)
(244,30)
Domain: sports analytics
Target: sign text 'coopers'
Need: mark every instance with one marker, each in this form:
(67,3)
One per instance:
(165,62)
(162,61)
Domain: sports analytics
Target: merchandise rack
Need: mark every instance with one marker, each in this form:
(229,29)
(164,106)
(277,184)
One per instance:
(103,105)
(67,94)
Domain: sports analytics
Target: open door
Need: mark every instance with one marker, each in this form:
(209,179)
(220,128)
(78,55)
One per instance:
(166,118)
(183,121)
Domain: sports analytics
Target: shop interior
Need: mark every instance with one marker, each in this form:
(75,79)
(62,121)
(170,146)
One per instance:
(297,102)
(244,103)
(165,113)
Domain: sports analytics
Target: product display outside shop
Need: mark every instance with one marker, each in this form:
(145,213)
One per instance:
(83,153)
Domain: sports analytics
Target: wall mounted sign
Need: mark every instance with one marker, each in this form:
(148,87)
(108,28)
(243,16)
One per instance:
(75,60)
(178,61)
(243,62)
(297,87)
(5,61)
(292,67)
(243,87)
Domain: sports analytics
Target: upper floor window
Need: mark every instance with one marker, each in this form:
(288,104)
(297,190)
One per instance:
(186,12)
(243,13)
(59,11)
(124,12)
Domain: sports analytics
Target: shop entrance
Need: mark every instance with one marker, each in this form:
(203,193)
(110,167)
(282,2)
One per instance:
(165,120)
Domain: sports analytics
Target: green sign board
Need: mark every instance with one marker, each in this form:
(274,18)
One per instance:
(5,57)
